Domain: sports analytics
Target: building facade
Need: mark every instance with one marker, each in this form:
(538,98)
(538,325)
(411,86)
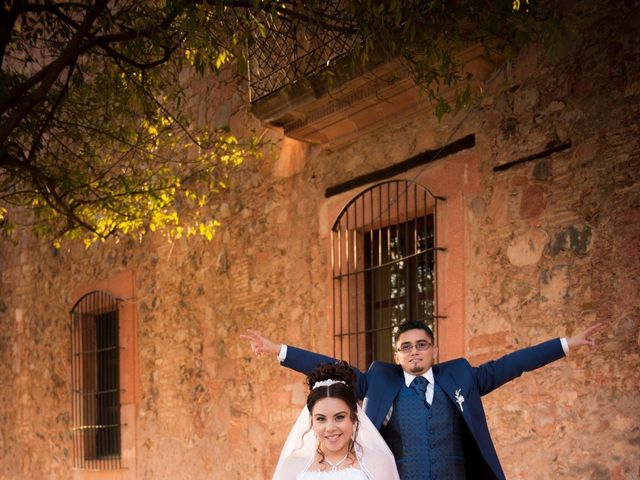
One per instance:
(504,225)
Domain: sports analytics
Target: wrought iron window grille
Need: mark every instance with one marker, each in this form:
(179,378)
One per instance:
(384,265)
(95,367)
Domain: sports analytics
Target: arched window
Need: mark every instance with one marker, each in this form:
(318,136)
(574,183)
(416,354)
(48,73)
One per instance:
(383,255)
(95,349)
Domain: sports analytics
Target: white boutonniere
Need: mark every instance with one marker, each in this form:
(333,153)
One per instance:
(459,399)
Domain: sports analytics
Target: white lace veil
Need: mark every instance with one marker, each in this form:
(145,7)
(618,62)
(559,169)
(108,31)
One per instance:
(376,460)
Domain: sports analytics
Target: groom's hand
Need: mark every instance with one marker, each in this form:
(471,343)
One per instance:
(260,344)
(585,337)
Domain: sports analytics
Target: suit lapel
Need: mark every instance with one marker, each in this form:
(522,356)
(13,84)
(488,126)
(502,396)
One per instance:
(456,392)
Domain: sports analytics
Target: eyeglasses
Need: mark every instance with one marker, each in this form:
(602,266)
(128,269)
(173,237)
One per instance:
(421,346)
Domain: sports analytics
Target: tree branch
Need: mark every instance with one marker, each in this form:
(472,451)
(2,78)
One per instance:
(35,144)
(46,189)
(68,57)
(7,23)
(168,52)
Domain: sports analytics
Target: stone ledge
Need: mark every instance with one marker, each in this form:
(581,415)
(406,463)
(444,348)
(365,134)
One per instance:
(361,99)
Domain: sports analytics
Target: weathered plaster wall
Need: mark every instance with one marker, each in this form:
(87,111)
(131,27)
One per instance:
(556,248)
(549,245)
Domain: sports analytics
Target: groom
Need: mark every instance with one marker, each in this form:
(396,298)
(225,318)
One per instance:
(431,414)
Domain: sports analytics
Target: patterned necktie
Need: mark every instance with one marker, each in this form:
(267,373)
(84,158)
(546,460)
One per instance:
(419,384)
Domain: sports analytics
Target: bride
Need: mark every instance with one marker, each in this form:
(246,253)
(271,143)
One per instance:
(332,438)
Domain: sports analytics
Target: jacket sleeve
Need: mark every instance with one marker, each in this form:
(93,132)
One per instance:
(496,373)
(304,361)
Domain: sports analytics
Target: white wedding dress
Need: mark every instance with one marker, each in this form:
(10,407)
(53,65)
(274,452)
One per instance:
(375,459)
(346,474)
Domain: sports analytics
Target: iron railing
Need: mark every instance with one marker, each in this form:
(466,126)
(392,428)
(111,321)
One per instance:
(284,52)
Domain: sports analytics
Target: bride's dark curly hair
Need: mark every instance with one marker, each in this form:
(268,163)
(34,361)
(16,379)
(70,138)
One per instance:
(343,388)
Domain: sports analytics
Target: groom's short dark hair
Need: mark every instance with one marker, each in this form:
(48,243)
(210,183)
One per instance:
(414,325)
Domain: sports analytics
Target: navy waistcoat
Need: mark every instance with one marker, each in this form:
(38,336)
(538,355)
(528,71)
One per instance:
(427,442)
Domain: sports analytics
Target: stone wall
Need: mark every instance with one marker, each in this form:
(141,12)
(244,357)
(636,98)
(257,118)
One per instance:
(551,245)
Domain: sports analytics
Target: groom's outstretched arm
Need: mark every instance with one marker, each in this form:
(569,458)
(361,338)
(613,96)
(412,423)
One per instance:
(297,359)
(304,361)
(260,344)
(495,373)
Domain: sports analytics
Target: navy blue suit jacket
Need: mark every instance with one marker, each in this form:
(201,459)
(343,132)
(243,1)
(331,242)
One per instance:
(379,386)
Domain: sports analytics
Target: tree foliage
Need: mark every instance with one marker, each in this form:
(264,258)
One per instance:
(95,139)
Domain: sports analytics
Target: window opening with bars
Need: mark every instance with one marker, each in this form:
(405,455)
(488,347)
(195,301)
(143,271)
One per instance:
(384,268)
(95,350)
